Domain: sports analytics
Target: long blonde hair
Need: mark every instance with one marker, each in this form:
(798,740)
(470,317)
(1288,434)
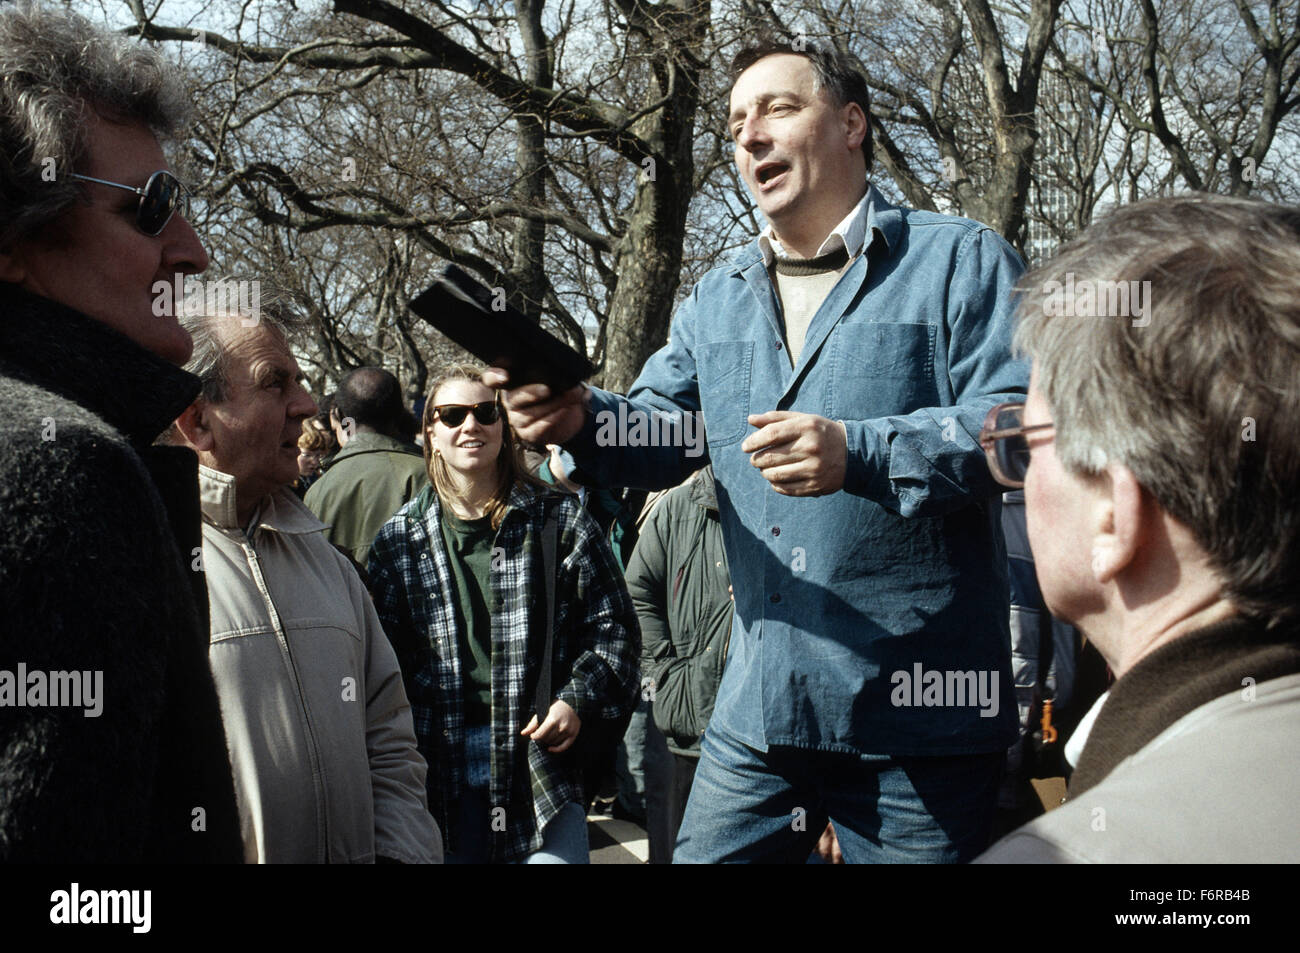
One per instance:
(511,471)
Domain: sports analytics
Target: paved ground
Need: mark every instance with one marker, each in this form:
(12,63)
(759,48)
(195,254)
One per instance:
(616,842)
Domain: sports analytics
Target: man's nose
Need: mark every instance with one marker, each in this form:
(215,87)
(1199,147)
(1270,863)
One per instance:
(183,251)
(753,132)
(302,404)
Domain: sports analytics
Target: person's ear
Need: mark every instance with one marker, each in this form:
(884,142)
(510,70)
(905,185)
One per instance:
(1121,517)
(195,427)
(855,125)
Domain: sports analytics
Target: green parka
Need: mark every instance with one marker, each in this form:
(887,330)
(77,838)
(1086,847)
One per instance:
(678,579)
(368,481)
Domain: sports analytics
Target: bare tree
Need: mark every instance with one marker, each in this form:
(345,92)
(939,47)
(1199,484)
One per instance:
(1202,90)
(448,77)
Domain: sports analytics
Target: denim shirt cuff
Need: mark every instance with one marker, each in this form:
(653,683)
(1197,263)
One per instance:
(866,471)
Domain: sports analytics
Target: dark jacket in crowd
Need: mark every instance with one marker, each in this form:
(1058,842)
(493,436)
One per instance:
(99,573)
(368,481)
(678,579)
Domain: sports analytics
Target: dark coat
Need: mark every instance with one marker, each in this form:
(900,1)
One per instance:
(99,534)
(678,579)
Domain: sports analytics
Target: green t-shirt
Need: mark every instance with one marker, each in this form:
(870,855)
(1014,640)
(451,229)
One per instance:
(469,551)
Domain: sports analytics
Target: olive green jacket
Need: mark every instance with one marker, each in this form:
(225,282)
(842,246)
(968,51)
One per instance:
(370,479)
(678,579)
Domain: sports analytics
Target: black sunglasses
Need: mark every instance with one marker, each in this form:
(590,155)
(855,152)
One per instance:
(161,198)
(453,415)
(1004,443)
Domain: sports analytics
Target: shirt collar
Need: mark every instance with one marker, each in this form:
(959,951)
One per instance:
(367,442)
(1074,747)
(280,512)
(850,233)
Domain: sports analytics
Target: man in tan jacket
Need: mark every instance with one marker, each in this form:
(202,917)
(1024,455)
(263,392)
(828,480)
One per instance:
(319,728)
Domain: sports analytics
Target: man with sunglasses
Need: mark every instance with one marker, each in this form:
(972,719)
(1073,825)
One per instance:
(377,469)
(842,366)
(99,532)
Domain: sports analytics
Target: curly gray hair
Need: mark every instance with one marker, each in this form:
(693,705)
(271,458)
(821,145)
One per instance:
(55,67)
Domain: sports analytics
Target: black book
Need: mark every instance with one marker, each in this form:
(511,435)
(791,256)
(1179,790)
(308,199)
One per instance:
(500,336)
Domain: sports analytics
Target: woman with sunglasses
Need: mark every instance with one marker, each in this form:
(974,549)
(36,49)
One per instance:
(459,578)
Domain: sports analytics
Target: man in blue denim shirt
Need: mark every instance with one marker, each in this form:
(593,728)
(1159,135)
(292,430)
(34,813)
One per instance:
(868,677)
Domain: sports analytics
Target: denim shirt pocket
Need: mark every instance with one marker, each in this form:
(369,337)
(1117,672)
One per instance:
(723,369)
(882,369)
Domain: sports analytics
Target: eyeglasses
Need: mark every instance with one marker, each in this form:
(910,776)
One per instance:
(1004,443)
(453,415)
(162,196)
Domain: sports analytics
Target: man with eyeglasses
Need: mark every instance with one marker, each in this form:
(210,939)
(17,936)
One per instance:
(843,365)
(99,532)
(1159,459)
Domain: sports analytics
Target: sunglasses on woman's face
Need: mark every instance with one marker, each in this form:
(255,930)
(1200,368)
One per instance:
(1004,443)
(453,415)
(162,196)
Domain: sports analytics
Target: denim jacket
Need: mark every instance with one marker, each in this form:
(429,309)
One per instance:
(865,620)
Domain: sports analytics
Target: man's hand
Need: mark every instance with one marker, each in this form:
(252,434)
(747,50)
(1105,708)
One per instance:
(560,728)
(799,454)
(536,415)
(829,846)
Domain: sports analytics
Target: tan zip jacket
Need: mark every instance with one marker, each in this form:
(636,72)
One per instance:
(319,728)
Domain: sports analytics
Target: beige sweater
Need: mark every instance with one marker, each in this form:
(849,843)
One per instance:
(802,285)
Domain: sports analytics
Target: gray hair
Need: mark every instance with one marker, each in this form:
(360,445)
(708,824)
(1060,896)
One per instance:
(214,329)
(1195,387)
(55,69)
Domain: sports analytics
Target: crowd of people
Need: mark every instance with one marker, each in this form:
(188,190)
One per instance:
(343,632)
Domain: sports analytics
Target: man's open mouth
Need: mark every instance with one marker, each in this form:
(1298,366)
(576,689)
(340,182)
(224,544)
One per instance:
(765,173)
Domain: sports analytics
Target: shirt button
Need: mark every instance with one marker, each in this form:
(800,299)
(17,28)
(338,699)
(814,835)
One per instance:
(776,531)
(775,597)
(778,345)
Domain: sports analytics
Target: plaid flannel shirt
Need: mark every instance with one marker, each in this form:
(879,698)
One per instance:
(596,655)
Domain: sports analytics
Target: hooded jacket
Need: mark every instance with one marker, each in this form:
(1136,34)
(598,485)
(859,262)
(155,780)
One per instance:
(321,740)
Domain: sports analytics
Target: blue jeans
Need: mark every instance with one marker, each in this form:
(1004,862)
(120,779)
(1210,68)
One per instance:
(564,840)
(750,807)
